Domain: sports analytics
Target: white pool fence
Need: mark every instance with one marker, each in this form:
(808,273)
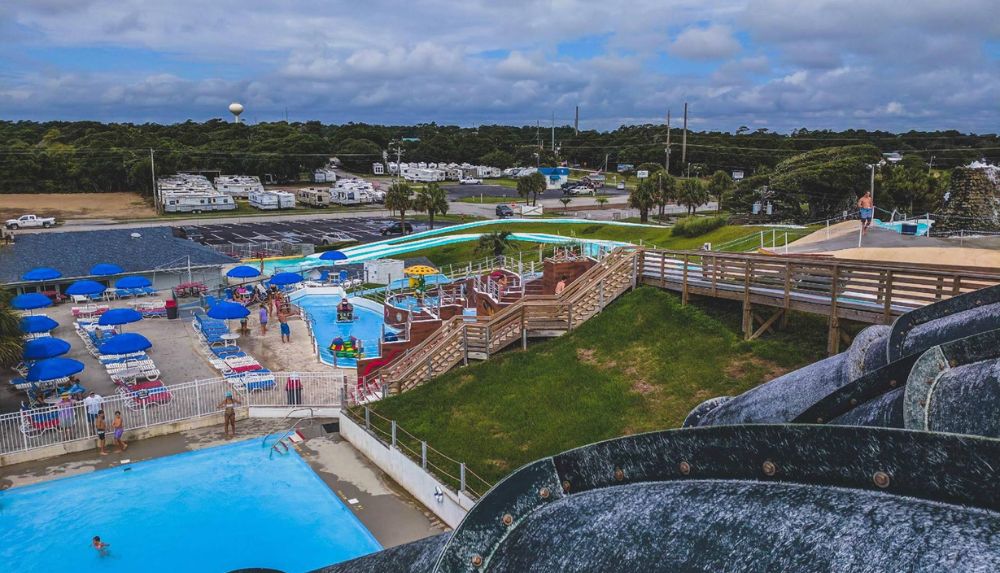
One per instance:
(41,427)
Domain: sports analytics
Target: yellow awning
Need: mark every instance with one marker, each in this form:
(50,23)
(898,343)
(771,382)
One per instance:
(420,270)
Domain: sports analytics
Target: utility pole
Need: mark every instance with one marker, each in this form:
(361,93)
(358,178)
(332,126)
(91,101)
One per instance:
(152,171)
(872,166)
(538,137)
(930,165)
(399,153)
(576,122)
(684,138)
(553,133)
(666,165)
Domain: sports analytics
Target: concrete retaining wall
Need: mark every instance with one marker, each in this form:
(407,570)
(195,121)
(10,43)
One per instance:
(452,506)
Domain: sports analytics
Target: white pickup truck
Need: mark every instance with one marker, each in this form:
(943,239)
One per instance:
(25,221)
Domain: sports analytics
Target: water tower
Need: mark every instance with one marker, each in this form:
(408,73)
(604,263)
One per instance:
(236,109)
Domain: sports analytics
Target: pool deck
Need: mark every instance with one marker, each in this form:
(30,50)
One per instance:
(391,515)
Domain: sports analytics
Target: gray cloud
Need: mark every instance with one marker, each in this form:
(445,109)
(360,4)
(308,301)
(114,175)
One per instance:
(778,63)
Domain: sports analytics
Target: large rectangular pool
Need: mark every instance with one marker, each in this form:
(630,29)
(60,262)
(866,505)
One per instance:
(217,509)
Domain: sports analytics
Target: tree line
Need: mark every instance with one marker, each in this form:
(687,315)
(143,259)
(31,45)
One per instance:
(86,156)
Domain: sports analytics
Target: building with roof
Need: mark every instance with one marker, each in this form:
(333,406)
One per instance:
(154,251)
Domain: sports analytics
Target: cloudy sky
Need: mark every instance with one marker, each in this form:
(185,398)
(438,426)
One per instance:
(779,64)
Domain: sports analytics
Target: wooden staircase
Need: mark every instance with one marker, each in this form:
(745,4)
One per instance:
(460,339)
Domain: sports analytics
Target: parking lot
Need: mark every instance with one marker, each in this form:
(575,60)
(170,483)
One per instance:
(315,231)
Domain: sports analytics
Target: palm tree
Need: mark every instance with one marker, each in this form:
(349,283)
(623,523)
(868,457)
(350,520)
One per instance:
(494,243)
(692,194)
(531,185)
(666,189)
(602,201)
(565,201)
(719,185)
(431,199)
(399,198)
(10,333)
(643,197)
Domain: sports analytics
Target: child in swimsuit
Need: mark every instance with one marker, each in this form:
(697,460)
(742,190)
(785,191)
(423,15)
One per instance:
(100,546)
(101,425)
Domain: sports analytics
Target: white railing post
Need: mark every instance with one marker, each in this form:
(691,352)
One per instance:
(197,397)
(423,455)
(461,476)
(393,422)
(368,420)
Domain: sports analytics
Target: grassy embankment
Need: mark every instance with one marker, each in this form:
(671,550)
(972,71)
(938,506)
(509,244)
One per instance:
(639,366)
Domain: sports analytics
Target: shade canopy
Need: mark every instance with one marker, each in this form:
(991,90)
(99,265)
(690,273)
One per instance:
(420,270)
(45,347)
(117,316)
(36,324)
(133,282)
(85,288)
(125,343)
(41,274)
(243,272)
(53,368)
(103,269)
(228,310)
(30,300)
(333,256)
(282,279)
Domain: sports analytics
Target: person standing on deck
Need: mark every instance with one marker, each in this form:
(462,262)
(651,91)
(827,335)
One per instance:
(263,319)
(867,206)
(286,331)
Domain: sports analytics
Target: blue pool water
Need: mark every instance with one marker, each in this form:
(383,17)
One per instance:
(216,509)
(410,302)
(322,309)
(923,226)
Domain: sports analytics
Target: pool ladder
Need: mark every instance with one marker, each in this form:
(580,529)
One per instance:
(287,440)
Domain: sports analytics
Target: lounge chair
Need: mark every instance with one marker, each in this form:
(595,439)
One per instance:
(37,423)
(257,381)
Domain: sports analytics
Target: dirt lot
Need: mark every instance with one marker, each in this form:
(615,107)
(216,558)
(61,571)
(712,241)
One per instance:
(75,205)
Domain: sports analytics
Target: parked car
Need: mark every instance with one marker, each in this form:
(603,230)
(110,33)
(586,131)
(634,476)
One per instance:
(469,181)
(579,190)
(25,221)
(504,211)
(396,229)
(620,186)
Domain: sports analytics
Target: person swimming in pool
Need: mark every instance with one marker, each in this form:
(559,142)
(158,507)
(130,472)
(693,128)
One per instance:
(100,546)
(229,404)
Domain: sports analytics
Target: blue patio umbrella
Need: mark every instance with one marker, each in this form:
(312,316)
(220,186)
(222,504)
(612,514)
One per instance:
(30,300)
(53,368)
(45,347)
(132,282)
(228,310)
(118,316)
(282,279)
(125,344)
(243,272)
(36,324)
(41,274)
(104,269)
(333,256)
(85,288)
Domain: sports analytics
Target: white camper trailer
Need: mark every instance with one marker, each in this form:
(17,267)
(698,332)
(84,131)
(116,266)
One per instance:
(271,200)
(240,186)
(313,196)
(186,193)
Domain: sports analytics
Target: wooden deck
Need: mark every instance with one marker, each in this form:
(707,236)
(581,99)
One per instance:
(836,288)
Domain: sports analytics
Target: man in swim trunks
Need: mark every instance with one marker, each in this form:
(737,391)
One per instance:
(101,426)
(118,425)
(100,546)
(229,403)
(867,207)
(286,331)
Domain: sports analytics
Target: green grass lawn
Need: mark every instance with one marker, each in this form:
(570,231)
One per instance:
(639,366)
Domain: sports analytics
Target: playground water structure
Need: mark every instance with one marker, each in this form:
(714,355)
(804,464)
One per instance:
(395,246)
(215,506)
(320,306)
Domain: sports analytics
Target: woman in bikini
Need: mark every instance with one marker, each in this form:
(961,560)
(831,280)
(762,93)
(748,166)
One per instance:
(229,403)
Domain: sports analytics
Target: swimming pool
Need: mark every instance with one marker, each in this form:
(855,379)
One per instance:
(923,225)
(366,327)
(216,509)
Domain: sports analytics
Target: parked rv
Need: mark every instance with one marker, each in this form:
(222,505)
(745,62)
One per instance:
(271,200)
(313,196)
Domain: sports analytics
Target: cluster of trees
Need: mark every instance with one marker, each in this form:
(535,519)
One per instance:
(660,188)
(91,156)
(430,199)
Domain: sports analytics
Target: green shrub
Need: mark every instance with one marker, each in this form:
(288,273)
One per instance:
(694,226)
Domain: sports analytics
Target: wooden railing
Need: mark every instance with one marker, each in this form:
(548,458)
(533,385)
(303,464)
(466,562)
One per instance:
(838,288)
(461,338)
